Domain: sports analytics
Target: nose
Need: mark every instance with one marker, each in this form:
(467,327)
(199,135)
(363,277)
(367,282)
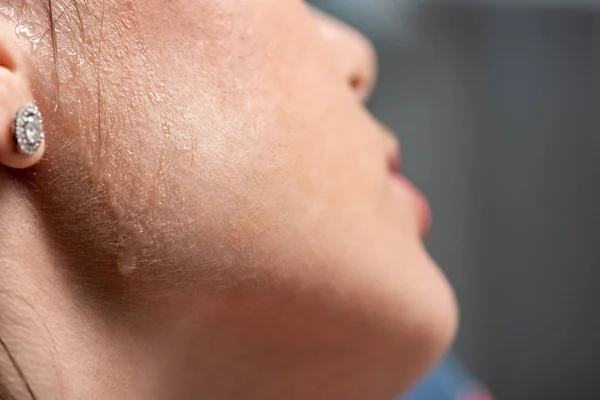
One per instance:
(353,52)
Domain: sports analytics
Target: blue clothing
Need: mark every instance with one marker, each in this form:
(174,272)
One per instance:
(449,381)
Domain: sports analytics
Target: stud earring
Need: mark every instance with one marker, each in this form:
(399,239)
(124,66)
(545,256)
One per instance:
(28,130)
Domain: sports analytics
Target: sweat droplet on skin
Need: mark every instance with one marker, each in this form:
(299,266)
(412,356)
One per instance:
(127,261)
(8,12)
(26,33)
(126,243)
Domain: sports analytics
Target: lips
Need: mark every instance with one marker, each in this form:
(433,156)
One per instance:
(421,202)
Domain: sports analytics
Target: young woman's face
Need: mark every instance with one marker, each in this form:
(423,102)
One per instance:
(211,162)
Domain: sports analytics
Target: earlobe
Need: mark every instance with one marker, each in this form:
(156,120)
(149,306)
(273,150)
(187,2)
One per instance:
(21,130)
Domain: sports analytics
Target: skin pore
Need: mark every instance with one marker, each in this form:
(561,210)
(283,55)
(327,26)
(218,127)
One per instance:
(214,216)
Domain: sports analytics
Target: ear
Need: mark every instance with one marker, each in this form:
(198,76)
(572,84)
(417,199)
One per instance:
(15,93)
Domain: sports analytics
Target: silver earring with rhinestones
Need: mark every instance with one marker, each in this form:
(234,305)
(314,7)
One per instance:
(28,130)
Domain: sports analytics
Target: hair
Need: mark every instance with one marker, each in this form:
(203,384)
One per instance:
(4,385)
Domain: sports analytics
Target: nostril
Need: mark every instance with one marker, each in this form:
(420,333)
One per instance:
(356,82)
(362,72)
(360,85)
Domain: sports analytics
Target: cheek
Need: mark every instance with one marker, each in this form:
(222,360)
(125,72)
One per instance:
(244,172)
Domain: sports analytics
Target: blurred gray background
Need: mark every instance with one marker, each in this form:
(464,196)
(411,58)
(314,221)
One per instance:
(497,107)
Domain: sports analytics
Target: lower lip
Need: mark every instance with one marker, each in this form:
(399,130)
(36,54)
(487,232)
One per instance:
(423,207)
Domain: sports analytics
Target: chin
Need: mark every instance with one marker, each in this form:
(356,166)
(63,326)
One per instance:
(422,326)
(434,326)
(411,340)
(438,330)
